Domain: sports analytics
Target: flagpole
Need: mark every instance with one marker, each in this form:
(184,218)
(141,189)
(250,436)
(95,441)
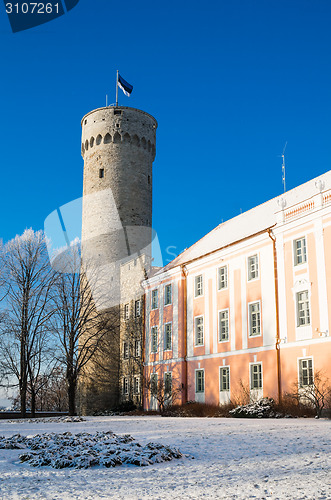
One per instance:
(117,89)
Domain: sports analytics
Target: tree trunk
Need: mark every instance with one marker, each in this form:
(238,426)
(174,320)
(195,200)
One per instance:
(72,396)
(33,403)
(23,399)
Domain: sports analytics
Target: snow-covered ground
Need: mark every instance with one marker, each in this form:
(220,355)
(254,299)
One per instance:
(234,458)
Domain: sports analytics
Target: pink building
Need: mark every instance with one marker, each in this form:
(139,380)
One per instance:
(248,305)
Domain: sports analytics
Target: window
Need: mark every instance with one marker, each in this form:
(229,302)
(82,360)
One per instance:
(198,286)
(154,299)
(224,378)
(306,376)
(222,277)
(167,295)
(256,376)
(300,252)
(154,339)
(153,384)
(199,381)
(137,308)
(254,319)
(168,337)
(126,311)
(253,267)
(125,385)
(125,350)
(303,311)
(137,351)
(199,330)
(136,385)
(223,325)
(168,383)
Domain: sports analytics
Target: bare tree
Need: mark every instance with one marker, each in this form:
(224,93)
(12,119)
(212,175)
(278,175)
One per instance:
(29,279)
(80,323)
(165,390)
(316,394)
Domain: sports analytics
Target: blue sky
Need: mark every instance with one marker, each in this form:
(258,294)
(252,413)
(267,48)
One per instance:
(228,81)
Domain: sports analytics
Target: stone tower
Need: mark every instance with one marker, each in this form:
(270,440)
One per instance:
(118,148)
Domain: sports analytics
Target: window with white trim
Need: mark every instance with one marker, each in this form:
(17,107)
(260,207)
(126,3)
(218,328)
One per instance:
(198,285)
(154,298)
(253,267)
(168,337)
(254,319)
(125,350)
(223,325)
(198,327)
(154,339)
(136,385)
(137,308)
(126,311)
(167,295)
(256,376)
(153,384)
(300,251)
(303,309)
(125,385)
(306,375)
(168,383)
(222,277)
(199,381)
(224,378)
(137,349)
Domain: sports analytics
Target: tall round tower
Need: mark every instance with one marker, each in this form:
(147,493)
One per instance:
(118,147)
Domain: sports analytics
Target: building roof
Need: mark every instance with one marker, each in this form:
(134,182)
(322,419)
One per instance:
(249,223)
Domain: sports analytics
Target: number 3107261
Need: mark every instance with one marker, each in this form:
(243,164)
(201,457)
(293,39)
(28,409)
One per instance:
(32,8)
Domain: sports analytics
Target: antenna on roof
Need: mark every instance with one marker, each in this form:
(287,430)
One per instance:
(283,168)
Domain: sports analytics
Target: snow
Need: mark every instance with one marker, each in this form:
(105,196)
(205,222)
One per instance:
(233,458)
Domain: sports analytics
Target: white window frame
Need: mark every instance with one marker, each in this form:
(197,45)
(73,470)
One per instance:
(295,252)
(201,370)
(298,325)
(250,326)
(195,331)
(153,376)
(167,287)
(257,363)
(137,348)
(166,375)
(198,289)
(136,385)
(219,281)
(224,367)
(154,293)
(126,311)
(137,308)
(126,386)
(305,358)
(126,350)
(165,336)
(153,330)
(219,325)
(249,267)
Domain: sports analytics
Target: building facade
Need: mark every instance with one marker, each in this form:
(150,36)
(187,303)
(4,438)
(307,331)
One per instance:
(247,307)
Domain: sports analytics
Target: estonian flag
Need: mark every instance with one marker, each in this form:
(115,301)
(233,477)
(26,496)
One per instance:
(125,86)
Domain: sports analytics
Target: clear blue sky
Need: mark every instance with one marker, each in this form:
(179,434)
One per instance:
(228,81)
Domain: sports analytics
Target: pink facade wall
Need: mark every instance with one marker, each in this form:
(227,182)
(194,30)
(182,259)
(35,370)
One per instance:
(309,219)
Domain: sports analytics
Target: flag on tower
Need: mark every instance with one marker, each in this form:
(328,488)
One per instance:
(125,86)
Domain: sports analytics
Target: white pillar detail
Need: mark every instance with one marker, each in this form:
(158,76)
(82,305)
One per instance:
(321,276)
(243,302)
